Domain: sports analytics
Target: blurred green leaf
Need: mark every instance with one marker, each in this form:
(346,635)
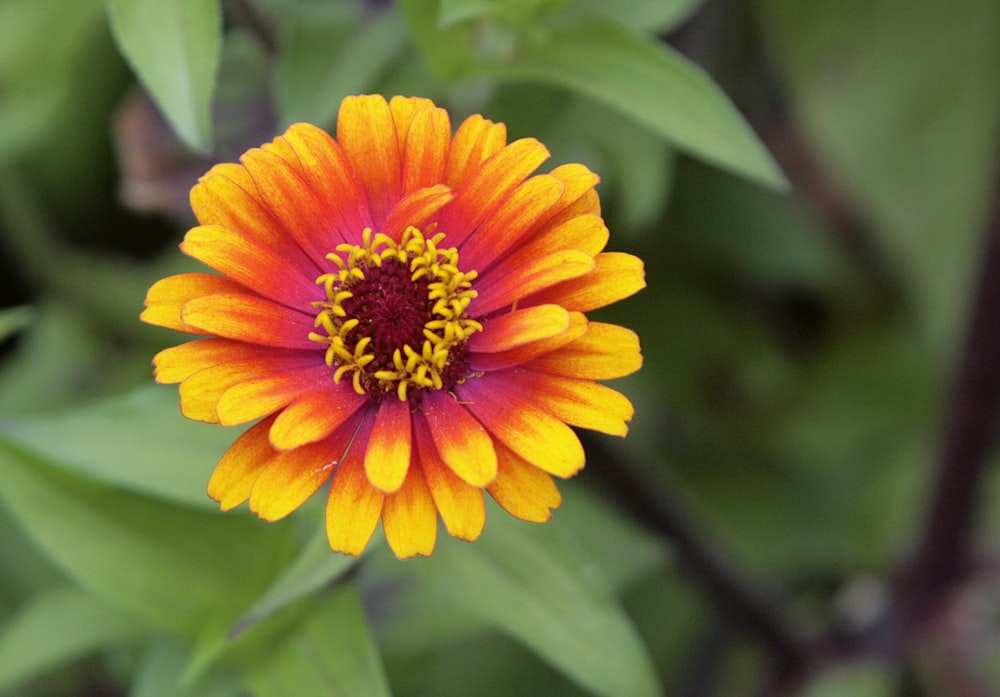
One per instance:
(172,566)
(547,595)
(164,660)
(138,441)
(859,679)
(174,48)
(659,16)
(57,627)
(447,50)
(647,80)
(332,653)
(14,319)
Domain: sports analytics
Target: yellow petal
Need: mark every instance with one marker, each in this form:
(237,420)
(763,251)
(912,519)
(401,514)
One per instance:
(234,476)
(409,517)
(506,332)
(460,504)
(387,457)
(604,352)
(354,505)
(522,489)
(461,441)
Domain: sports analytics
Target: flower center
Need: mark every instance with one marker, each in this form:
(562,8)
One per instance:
(395,314)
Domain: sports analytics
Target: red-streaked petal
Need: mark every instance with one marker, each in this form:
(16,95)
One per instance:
(462,443)
(404,110)
(256,397)
(618,275)
(488,362)
(605,352)
(234,476)
(425,149)
(178,363)
(521,327)
(354,506)
(534,434)
(167,296)
(522,489)
(460,504)
(249,318)
(367,133)
(488,186)
(315,414)
(409,517)
(387,457)
(520,213)
(475,140)
(252,264)
(502,288)
(416,209)
(290,479)
(326,169)
(200,392)
(581,403)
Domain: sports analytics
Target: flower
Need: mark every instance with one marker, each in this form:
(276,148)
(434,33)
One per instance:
(402,309)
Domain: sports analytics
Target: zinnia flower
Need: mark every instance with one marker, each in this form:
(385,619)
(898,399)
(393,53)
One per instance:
(402,310)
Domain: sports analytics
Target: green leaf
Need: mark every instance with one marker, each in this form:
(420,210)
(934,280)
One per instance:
(162,663)
(138,441)
(448,50)
(173,46)
(54,629)
(546,594)
(647,80)
(332,653)
(14,319)
(173,566)
(659,16)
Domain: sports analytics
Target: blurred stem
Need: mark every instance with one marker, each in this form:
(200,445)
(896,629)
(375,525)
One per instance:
(941,557)
(744,600)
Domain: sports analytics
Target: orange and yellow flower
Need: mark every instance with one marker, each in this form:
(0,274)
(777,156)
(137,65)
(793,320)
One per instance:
(402,309)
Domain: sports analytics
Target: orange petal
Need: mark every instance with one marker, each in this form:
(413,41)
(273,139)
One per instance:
(367,133)
(605,352)
(252,264)
(416,209)
(354,505)
(520,213)
(534,434)
(581,403)
(487,362)
(522,489)
(249,318)
(618,275)
(521,327)
(488,186)
(166,297)
(409,517)
(233,478)
(475,140)
(501,288)
(587,233)
(462,443)
(178,363)
(253,398)
(425,149)
(460,504)
(315,414)
(387,457)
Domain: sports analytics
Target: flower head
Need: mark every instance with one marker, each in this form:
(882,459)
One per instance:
(401,310)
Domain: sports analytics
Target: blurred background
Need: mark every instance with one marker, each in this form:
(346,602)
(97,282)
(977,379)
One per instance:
(811,186)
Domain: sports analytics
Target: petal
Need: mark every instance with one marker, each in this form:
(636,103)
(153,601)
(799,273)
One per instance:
(233,478)
(315,414)
(178,363)
(518,328)
(250,318)
(528,430)
(409,517)
(354,505)
(387,457)
(475,140)
(404,110)
(460,504)
(527,275)
(425,149)
(605,352)
(487,186)
(367,133)
(618,275)
(416,209)
(522,489)
(462,443)
(581,403)
(166,297)
(252,264)
(487,362)
(253,398)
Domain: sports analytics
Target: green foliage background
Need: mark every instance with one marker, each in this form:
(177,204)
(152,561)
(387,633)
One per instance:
(808,183)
